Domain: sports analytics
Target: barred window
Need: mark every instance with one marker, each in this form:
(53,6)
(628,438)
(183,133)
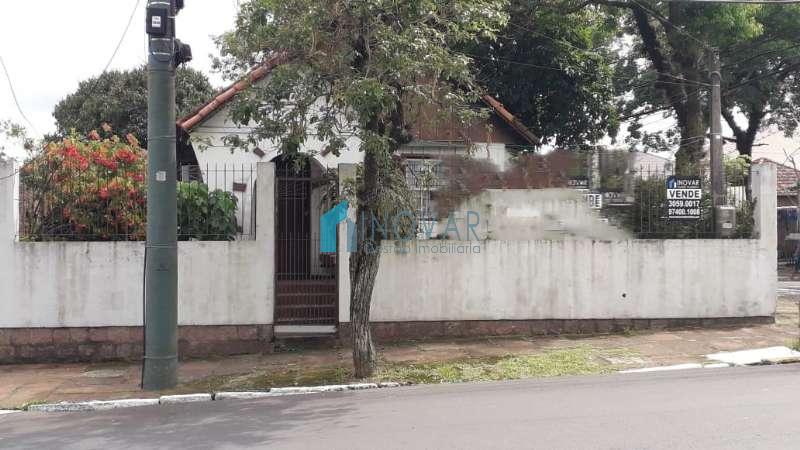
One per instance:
(424,176)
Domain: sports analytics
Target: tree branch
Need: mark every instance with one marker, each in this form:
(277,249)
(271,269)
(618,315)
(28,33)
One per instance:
(661,63)
(728,115)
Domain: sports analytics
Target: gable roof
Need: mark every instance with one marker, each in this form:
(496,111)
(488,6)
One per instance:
(785,176)
(511,120)
(223,97)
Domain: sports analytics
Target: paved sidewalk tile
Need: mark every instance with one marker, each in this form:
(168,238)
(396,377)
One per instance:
(31,384)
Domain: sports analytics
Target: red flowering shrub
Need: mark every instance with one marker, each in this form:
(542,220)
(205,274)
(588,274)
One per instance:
(85,189)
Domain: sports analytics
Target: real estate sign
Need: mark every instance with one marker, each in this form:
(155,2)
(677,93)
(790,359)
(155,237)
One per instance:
(578,183)
(684,195)
(594,201)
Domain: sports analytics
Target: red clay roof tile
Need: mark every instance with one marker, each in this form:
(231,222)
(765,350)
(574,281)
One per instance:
(786,177)
(223,97)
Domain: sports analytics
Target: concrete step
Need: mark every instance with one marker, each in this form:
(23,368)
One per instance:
(288,337)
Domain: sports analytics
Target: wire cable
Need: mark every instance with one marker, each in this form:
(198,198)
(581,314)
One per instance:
(13,174)
(113,55)
(122,38)
(663,19)
(14,96)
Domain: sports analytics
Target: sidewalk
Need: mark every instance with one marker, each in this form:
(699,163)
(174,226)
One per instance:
(425,361)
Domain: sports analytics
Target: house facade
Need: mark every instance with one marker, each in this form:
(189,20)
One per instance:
(304,275)
(541,266)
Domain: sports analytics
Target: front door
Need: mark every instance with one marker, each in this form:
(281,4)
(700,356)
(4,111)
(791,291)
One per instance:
(307,292)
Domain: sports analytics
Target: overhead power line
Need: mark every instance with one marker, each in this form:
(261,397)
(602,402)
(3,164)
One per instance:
(14,96)
(663,19)
(741,2)
(122,38)
(113,55)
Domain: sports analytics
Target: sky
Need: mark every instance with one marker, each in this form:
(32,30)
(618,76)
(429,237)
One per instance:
(72,40)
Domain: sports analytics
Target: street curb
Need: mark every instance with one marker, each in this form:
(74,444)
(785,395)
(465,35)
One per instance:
(105,405)
(688,366)
(94,405)
(781,360)
(187,398)
(718,365)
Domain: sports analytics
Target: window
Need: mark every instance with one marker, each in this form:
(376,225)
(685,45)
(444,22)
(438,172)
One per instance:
(424,176)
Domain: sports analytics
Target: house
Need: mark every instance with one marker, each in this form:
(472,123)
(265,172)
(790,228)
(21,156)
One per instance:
(69,300)
(204,131)
(302,270)
(619,170)
(786,183)
(638,164)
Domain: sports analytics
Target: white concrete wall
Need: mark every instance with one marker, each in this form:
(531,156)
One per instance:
(584,279)
(78,284)
(66,284)
(576,279)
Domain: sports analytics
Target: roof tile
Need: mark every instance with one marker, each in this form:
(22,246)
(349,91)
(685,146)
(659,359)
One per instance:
(258,73)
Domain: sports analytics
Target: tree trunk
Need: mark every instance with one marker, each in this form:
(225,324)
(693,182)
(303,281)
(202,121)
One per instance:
(680,58)
(690,152)
(364,268)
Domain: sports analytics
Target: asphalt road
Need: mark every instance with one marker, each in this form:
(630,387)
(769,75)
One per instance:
(743,408)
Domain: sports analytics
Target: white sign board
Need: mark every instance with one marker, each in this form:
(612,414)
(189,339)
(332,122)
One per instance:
(684,195)
(594,201)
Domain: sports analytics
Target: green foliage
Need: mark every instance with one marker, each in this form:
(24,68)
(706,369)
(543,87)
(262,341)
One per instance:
(613,167)
(358,68)
(745,220)
(11,132)
(561,362)
(761,73)
(395,199)
(204,215)
(369,60)
(119,98)
(553,70)
(646,218)
(85,189)
(549,363)
(737,170)
(93,189)
(759,59)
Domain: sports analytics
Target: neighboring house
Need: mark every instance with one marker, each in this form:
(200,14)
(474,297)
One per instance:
(616,172)
(618,162)
(302,271)
(787,182)
(649,164)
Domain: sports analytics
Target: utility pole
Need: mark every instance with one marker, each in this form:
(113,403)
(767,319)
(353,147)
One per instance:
(717,166)
(161,254)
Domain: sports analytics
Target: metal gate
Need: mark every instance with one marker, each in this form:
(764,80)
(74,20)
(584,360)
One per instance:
(305,279)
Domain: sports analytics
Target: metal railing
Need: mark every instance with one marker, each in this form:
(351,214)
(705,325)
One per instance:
(215,202)
(628,190)
(653,202)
